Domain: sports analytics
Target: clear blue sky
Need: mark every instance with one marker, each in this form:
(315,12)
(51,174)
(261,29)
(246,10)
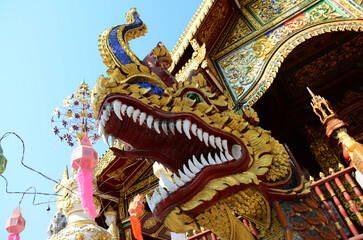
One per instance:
(46,48)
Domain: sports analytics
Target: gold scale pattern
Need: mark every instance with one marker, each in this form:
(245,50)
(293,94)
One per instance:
(242,67)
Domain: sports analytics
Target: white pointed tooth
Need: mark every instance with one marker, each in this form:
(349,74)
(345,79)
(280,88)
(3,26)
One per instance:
(150,203)
(193,168)
(129,110)
(211,141)
(178,125)
(194,129)
(142,118)
(164,126)
(197,163)
(163,192)
(135,114)
(224,144)
(156,196)
(108,108)
(228,156)
(156,126)
(178,181)
(117,108)
(105,138)
(108,111)
(153,198)
(172,127)
(218,160)
(186,128)
(100,129)
(202,159)
(219,143)
(149,121)
(200,134)
(223,158)
(123,109)
(236,151)
(103,119)
(211,160)
(184,177)
(206,138)
(187,172)
(169,185)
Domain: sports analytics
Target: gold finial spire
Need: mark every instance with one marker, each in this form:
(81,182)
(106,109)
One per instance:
(65,173)
(311,179)
(341,166)
(321,107)
(311,93)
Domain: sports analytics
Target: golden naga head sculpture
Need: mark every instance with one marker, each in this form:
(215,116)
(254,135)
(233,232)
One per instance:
(190,128)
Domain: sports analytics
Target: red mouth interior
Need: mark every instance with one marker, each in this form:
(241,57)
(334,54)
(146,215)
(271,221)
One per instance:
(173,150)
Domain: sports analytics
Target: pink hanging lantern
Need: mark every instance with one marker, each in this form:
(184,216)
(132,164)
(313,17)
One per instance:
(84,161)
(15,225)
(136,209)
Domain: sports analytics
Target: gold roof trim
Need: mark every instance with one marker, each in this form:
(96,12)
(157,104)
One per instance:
(189,32)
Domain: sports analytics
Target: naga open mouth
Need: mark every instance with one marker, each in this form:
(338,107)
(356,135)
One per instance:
(191,149)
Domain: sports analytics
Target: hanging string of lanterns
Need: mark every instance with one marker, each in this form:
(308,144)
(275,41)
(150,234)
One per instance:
(16,223)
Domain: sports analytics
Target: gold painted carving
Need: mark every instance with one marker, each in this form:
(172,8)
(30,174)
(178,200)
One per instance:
(259,29)
(193,63)
(280,54)
(274,231)
(190,31)
(251,205)
(240,30)
(324,65)
(178,222)
(267,10)
(240,68)
(149,223)
(128,234)
(353,8)
(221,221)
(103,162)
(323,12)
(83,231)
(215,22)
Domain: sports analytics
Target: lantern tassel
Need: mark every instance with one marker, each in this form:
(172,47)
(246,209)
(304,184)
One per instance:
(14,236)
(85,187)
(136,227)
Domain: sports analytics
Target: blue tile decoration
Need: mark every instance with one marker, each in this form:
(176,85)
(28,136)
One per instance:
(155,89)
(115,45)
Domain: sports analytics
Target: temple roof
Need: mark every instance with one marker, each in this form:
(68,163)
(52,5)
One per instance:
(190,31)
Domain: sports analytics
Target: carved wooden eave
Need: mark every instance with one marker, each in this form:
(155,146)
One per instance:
(209,20)
(256,30)
(189,32)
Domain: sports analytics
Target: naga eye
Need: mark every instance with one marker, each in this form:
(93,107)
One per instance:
(194,96)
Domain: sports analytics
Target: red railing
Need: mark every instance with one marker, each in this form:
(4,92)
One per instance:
(326,182)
